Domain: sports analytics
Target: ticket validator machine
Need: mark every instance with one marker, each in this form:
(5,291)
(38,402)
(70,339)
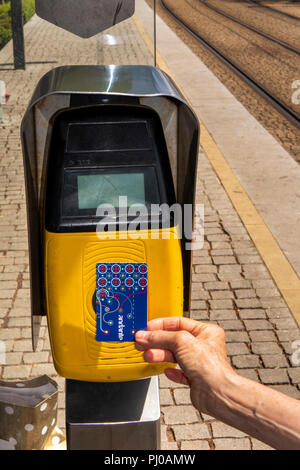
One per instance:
(99,143)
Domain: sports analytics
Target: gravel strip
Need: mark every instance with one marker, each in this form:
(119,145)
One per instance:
(279,26)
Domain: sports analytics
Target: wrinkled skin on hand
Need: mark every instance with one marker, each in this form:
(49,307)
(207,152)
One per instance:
(198,348)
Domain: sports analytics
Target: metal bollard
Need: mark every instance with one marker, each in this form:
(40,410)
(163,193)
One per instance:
(113,416)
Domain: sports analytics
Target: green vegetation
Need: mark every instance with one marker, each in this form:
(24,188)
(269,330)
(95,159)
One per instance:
(5,19)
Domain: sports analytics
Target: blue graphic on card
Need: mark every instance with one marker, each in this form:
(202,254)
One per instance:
(121,299)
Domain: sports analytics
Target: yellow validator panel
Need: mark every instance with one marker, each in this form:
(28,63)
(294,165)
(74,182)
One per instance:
(108,150)
(72,287)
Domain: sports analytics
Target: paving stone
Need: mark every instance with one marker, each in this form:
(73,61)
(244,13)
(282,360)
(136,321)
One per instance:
(265,348)
(255,272)
(200,315)
(222,315)
(232,444)
(230,273)
(237,337)
(206,277)
(223,430)
(163,433)
(216,285)
(221,260)
(199,254)
(13,358)
(267,293)
(220,304)
(247,303)
(273,302)
(220,245)
(10,333)
(249,374)
(278,313)
(249,259)
(231,324)
(41,369)
(183,414)
(273,376)
(245,293)
(19,321)
(17,312)
(274,360)
(263,284)
(200,294)
(287,347)
(257,325)
(258,445)
(294,373)
(195,445)
(182,396)
(191,431)
(198,305)
(262,335)
(23,345)
(206,418)
(221,295)
(288,335)
(224,252)
(169,446)
(245,361)
(16,372)
(236,349)
(217,238)
(240,284)
(252,313)
(284,323)
(203,260)
(26,333)
(35,357)
(205,269)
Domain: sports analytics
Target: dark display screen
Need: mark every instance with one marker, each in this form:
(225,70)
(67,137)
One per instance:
(85,190)
(96,190)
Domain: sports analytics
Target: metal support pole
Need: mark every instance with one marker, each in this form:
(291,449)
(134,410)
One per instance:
(113,416)
(155,34)
(18,34)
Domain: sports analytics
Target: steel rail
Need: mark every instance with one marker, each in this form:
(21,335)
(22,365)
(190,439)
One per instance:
(282,13)
(252,28)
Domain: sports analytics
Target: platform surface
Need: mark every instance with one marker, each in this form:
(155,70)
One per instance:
(246,277)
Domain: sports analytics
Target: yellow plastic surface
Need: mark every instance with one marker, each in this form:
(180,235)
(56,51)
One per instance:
(70,281)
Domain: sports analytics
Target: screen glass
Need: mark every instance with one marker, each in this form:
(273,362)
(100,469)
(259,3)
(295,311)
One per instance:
(95,190)
(87,189)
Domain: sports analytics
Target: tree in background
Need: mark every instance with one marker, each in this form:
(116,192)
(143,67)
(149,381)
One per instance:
(5,18)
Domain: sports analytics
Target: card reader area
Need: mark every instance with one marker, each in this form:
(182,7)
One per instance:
(99,154)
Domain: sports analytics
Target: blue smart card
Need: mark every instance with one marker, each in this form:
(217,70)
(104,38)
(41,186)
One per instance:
(121,299)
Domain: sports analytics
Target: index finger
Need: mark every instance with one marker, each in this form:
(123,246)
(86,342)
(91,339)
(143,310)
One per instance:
(176,324)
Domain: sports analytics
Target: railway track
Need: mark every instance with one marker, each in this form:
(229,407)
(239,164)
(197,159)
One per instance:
(251,28)
(267,7)
(263,92)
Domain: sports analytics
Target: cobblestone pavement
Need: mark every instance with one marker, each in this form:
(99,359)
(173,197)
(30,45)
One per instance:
(231,285)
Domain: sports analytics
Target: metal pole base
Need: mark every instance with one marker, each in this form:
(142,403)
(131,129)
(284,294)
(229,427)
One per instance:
(113,416)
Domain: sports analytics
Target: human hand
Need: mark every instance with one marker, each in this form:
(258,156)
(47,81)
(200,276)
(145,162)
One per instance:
(198,348)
